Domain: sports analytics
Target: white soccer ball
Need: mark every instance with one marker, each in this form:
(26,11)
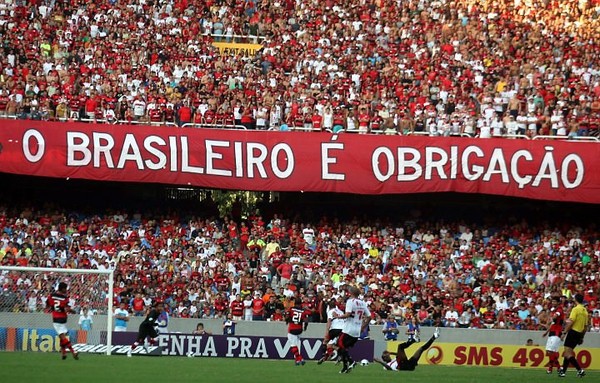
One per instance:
(364,362)
(190,354)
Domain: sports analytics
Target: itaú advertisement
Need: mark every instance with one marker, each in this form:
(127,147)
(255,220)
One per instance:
(34,339)
(460,354)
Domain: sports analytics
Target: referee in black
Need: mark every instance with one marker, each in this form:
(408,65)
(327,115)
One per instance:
(576,327)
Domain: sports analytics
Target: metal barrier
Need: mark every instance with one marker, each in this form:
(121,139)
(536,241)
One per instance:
(298,129)
(567,138)
(213,126)
(234,39)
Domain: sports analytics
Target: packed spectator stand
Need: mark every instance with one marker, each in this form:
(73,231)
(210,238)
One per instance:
(516,68)
(444,274)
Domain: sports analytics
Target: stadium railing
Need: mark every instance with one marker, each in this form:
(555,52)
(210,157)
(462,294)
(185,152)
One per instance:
(301,129)
(213,126)
(576,138)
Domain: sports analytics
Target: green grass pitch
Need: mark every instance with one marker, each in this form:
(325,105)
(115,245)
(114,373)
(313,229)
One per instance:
(48,368)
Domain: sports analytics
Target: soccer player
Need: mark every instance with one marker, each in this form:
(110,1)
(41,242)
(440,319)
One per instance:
(357,317)
(297,319)
(554,331)
(147,328)
(402,362)
(333,329)
(58,303)
(575,329)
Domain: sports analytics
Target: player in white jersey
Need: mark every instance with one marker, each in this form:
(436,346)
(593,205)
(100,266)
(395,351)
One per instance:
(357,316)
(333,329)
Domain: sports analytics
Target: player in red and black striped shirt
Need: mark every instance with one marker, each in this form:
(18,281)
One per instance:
(554,331)
(297,319)
(58,303)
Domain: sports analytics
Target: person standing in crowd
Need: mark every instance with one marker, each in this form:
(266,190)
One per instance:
(58,303)
(554,332)
(237,308)
(357,316)
(575,328)
(121,316)
(297,320)
(247,307)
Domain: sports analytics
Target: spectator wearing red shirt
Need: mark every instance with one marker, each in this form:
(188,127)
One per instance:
(184,114)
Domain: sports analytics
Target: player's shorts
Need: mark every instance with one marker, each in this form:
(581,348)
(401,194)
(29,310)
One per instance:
(346,341)
(407,365)
(553,343)
(146,331)
(60,328)
(293,340)
(573,339)
(393,365)
(333,334)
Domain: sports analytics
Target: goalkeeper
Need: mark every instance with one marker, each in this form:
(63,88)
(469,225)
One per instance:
(148,328)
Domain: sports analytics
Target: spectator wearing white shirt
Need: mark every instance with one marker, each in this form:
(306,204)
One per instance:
(497,126)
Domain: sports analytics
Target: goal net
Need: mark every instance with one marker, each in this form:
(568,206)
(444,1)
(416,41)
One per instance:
(26,322)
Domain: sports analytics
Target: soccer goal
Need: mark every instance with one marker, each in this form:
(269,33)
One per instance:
(25,321)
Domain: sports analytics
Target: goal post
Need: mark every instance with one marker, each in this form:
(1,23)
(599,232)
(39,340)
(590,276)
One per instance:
(23,295)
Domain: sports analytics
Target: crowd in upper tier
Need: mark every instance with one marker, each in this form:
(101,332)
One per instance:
(437,67)
(459,274)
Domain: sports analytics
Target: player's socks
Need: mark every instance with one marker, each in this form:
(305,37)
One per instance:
(296,353)
(565,365)
(554,362)
(428,343)
(575,363)
(407,343)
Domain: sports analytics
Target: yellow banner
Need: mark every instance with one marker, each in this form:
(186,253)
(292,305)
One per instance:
(228,49)
(459,354)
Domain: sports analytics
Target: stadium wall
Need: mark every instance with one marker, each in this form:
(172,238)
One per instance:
(315,330)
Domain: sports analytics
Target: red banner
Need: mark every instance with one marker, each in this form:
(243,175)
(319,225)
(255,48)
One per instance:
(278,161)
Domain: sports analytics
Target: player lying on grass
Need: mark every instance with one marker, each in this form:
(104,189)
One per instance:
(402,362)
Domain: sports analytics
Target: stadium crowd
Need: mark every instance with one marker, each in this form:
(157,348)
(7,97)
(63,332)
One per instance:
(437,67)
(443,274)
